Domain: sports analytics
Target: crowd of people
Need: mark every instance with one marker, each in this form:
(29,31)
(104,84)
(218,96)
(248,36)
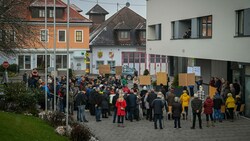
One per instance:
(107,95)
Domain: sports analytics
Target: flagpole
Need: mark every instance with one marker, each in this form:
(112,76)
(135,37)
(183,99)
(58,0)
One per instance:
(54,22)
(46,41)
(67,95)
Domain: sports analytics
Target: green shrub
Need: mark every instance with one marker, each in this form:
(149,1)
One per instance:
(175,83)
(19,99)
(70,73)
(12,68)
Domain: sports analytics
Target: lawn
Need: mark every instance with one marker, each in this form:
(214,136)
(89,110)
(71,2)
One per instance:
(16,127)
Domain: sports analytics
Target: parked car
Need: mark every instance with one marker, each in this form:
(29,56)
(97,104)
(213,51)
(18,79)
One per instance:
(126,72)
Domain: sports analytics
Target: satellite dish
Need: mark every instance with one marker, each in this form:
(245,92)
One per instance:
(127,4)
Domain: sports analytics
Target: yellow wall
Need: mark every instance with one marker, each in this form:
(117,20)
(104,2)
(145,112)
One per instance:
(62,45)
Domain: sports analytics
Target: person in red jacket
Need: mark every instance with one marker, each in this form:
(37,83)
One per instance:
(208,110)
(121,105)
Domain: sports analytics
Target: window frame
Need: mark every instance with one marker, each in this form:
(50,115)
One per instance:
(98,63)
(237,32)
(64,35)
(41,13)
(78,41)
(44,35)
(121,35)
(23,62)
(206,23)
(51,13)
(62,61)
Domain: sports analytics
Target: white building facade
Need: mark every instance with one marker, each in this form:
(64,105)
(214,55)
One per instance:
(212,34)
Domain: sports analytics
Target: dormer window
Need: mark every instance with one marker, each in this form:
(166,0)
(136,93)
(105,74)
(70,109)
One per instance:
(124,35)
(41,13)
(143,35)
(51,13)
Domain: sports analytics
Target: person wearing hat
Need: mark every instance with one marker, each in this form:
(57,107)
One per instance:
(185,102)
(196,105)
(230,104)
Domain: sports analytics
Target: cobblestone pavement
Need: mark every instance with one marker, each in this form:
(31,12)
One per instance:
(143,130)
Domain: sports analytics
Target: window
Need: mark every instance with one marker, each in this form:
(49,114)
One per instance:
(79,36)
(51,13)
(61,61)
(124,35)
(125,57)
(163,59)
(154,32)
(158,59)
(206,26)
(152,58)
(24,61)
(40,61)
(11,35)
(111,64)
(44,35)
(142,34)
(243,22)
(41,13)
(131,57)
(137,57)
(143,58)
(61,35)
(99,63)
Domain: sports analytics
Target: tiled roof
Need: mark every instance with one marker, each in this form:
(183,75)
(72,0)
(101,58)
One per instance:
(123,19)
(75,16)
(122,26)
(76,8)
(97,9)
(141,26)
(50,3)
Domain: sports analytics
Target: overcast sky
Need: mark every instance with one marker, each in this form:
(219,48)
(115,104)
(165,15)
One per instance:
(139,6)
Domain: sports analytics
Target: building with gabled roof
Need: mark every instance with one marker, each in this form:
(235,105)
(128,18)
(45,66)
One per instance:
(34,56)
(119,41)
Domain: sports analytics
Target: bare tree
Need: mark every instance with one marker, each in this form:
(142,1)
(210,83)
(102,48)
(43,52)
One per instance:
(15,30)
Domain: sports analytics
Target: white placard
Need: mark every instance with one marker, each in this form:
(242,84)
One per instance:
(194,69)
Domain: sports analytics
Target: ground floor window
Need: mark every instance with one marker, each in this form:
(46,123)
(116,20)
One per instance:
(133,57)
(24,61)
(99,63)
(111,64)
(61,61)
(40,61)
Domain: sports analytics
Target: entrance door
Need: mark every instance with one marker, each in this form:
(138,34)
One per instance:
(247,96)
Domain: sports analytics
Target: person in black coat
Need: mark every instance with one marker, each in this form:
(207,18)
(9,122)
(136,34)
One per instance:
(105,105)
(176,110)
(113,103)
(158,105)
(151,97)
(81,101)
(131,104)
(196,105)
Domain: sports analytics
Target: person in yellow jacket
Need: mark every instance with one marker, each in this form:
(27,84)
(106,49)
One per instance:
(185,102)
(230,104)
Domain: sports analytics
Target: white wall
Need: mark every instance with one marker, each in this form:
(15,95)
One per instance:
(117,56)
(222,45)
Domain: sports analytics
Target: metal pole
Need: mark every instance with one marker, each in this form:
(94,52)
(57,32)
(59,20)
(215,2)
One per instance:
(54,14)
(67,95)
(46,41)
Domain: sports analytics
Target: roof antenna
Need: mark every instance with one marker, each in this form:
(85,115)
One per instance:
(97,1)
